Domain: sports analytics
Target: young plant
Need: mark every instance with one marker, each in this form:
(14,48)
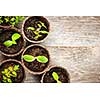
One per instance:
(38,30)
(56,77)
(9,73)
(14,37)
(12,20)
(30,58)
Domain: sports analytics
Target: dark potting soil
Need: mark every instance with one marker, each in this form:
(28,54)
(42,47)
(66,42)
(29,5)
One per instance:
(36,66)
(20,72)
(31,22)
(62,73)
(6,34)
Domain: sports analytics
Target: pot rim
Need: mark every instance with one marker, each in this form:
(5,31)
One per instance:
(8,60)
(55,67)
(30,71)
(32,41)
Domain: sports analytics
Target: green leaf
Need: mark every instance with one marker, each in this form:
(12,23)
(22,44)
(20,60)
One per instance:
(1,21)
(20,18)
(28,58)
(15,36)
(16,67)
(36,37)
(43,24)
(5,71)
(42,59)
(13,23)
(55,76)
(31,28)
(8,74)
(43,32)
(14,74)
(6,19)
(8,43)
(17,20)
(10,68)
(12,19)
(4,77)
(9,80)
(39,25)
(5,81)
(36,32)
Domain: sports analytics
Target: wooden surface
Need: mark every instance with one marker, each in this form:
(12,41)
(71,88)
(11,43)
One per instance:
(74,43)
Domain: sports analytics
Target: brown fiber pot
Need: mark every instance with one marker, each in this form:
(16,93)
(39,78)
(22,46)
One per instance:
(16,61)
(31,71)
(53,67)
(32,41)
(24,42)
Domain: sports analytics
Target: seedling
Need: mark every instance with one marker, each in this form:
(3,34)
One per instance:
(30,58)
(9,73)
(14,37)
(12,20)
(38,30)
(56,77)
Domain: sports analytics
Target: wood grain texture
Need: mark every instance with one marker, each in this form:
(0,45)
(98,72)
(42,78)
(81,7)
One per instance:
(73,43)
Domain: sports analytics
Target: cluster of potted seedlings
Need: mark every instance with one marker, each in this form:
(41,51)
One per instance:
(34,58)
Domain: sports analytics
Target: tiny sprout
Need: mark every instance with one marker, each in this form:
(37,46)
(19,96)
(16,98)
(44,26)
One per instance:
(43,25)
(38,31)
(30,58)
(31,28)
(36,37)
(14,37)
(9,73)
(16,67)
(56,77)
(43,32)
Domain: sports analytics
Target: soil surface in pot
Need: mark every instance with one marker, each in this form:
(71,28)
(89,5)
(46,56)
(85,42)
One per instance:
(62,73)
(31,22)
(5,34)
(36,66)
(20,72)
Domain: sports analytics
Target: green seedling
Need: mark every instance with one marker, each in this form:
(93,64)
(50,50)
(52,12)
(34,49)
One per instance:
(14,37)
(9,73)
(42,24)
(12,20)
(30,58)
(56,77)
(1,21)
(38,30)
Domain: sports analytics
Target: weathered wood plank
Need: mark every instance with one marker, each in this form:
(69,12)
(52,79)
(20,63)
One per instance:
(74,31)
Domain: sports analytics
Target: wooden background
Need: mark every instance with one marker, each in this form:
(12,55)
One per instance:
(73,43)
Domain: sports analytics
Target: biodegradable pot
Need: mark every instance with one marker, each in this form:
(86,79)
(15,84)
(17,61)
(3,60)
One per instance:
(5,34)
(20,73)
(30,21)
(36,67)
(62,73)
